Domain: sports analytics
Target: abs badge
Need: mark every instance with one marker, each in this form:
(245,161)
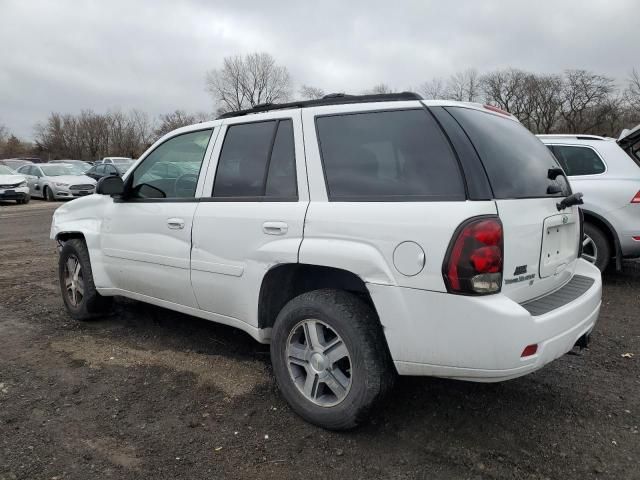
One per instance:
(520,275)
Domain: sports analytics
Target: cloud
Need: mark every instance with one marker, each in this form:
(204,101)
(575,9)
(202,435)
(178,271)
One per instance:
(153,55)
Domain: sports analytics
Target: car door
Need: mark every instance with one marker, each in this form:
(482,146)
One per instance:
(146,235)
(33,175)
(253,217)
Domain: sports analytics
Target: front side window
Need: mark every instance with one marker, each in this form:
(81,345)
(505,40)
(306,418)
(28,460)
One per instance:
(172,169)
(389,155)
(257,160)
(578,160)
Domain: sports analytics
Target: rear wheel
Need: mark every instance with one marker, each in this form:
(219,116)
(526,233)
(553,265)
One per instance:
(595,247)
(330,358)
(79,293)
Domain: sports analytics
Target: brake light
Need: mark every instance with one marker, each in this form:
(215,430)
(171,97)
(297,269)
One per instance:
(636,198)
(473,265)
(493,108)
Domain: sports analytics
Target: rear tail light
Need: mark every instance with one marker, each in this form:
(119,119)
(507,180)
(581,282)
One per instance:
(473,265)
(529,350)
(636,198)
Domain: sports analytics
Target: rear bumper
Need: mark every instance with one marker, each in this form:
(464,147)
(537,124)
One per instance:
(479,338)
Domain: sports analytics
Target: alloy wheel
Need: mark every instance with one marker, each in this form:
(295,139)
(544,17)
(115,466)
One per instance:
(73,281)
(319,362)
(589,249)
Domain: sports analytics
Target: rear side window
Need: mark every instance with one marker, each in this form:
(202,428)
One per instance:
(257,160)
(387,156)
(578,160)
(516,162)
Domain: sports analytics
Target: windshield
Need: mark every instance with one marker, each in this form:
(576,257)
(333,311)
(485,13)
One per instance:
(5,170)
(16,164)
(77,168)
(126,162)
(57,170)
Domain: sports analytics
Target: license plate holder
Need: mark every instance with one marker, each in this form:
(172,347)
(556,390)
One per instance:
(559,243)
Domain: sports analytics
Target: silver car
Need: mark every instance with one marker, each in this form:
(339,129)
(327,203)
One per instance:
(607,172)
(57,181)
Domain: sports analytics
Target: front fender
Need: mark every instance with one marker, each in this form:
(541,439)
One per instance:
(83,217)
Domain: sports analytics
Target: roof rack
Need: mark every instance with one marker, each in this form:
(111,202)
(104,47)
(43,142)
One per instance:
(331,99)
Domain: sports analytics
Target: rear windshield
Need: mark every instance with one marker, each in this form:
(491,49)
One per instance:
(388,156)
(516,162)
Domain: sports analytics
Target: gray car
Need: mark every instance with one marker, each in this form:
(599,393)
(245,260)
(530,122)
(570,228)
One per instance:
(57,181)
(607,172)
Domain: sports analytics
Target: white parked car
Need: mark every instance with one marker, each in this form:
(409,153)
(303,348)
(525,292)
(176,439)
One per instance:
(361,236)
(13,186)
(57,181)
(607,172)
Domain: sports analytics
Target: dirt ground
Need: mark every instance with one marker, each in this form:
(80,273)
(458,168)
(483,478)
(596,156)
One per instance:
(148,393)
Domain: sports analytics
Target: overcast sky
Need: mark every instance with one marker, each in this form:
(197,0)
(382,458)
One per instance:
(65,56)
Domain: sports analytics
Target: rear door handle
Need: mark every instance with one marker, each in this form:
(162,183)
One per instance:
(275,228)
(175,223)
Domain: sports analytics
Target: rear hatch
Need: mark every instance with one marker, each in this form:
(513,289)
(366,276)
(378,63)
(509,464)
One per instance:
(629,141)
(541,242)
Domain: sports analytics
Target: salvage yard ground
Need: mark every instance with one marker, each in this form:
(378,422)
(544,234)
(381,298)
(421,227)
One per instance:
(148,393)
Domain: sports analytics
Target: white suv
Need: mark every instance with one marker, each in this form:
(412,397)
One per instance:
(607,172)
(361,236)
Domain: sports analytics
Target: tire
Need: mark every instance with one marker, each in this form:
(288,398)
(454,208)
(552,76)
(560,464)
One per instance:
(23,201)
(88,303)
(48,196)
(361,379)
(596,248)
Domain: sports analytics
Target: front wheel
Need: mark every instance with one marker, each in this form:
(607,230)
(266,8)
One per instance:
(330,358)
(48,194)
(79,293)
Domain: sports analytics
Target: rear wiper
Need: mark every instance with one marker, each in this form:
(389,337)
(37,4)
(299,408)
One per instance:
(573,199)
(555,172)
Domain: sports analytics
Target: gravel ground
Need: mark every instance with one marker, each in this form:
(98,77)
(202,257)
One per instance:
(148,393)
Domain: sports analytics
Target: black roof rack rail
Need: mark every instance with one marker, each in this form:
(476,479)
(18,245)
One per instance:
(331,99)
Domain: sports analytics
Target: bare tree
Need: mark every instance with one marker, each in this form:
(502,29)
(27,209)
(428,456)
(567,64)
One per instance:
(177,119)
(380,88)
(582,93)
(433,89)
(503,88)
(632,93)
(4,133)
(308,92)
(247,81)
(464,86)
(546,97)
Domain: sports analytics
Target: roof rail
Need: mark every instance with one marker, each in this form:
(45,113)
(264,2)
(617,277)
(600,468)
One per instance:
(331,99)
(571,135)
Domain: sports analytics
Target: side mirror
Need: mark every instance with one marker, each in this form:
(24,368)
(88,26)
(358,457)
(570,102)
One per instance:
(110,185)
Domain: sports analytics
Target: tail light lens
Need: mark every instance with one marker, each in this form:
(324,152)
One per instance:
(473,265)
(636,198)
